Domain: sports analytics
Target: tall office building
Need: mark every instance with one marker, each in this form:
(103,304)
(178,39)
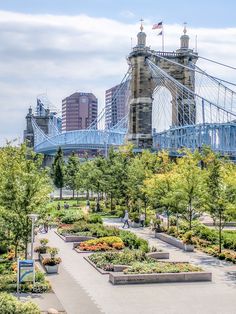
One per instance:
(79,110)
(116,104)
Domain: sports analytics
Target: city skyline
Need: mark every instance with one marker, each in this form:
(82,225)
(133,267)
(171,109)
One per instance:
(43,50)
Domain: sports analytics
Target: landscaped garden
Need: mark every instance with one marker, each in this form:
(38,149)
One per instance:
(106,261)
(206,239)
(144,184)
(8,278)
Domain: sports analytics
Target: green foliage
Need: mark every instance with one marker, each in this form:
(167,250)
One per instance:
(133,242)
(70,216)
(94,219)
(98,230)
(58,170)
(109,259)
(24,189)
(160,267)
(71,170)
(221,188)
(187,239)
(11,305)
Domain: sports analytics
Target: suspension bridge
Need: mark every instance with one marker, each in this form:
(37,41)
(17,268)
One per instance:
(172,103)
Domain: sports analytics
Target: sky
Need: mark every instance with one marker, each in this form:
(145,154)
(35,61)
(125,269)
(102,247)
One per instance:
(58,47)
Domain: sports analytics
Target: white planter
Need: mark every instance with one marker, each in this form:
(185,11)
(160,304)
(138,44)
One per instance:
(188,247)
(51,269)
(135,224)
(175,242)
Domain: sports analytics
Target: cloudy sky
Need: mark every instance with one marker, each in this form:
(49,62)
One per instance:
(61,46)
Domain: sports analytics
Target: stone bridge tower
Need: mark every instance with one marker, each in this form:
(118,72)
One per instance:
(143,85)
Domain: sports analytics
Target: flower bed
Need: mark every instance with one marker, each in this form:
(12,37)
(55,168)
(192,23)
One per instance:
(175,242)
(150,271)
(129,239)
(206,240)
(106,261)
(101,244)
(150,267)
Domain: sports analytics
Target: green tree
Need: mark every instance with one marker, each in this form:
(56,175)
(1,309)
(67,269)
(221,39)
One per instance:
(140,168)
(24,189)
(190,184)
(221,192)
(71,170)
(58,171)
(160,187)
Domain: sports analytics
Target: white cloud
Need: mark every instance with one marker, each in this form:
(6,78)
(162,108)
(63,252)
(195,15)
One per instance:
(61,54)
(127,14)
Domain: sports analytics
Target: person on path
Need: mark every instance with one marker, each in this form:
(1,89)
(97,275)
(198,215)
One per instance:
(126,219)
(142,219)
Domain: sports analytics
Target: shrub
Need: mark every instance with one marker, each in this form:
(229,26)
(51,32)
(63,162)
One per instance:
(107,260)
(41,249)
(94,218)
(51,261)
(3,248)
(72,216)
(160,267)
(188,237)
(206,233)
(53,251)
(173,221)
(133,242)
(102,244)
(40,287)
(134,217)
(43,241)
(172,231)
(10,305)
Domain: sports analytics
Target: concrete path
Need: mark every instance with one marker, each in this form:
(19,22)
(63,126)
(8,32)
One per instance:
(45,301)
(92,293)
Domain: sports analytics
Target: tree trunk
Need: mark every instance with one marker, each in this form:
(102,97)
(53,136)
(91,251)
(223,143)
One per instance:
(60,193)
(26,248)
(190,215)
(16,249)
(73,193)
(168,219)
(87,195)
(177,223)
(220,232)
(111,203)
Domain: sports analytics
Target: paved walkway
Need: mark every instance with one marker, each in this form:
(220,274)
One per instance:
(45,301)
(91,293)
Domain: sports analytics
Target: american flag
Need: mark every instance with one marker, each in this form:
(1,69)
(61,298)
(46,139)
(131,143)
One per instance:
(157,26)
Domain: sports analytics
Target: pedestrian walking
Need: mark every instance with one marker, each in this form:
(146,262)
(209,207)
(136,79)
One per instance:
(126,219)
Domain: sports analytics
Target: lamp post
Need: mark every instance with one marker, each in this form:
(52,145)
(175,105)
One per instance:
(33,218)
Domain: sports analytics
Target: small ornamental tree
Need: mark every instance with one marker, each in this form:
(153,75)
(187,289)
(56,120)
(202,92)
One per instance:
(221,192)
(190,184)
(24,189)
(71,170)
(58,173)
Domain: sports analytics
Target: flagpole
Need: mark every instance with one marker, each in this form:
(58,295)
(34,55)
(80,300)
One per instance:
(163,43)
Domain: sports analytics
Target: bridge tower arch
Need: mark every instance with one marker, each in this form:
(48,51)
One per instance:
(143,86)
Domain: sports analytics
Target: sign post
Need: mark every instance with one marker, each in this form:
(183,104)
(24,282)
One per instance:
(25,272)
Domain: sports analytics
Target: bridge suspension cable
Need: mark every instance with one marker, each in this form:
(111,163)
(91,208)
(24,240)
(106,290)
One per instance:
(217,62)
(193,68)
(189,108)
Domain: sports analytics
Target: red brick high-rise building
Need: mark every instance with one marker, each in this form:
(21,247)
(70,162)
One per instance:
(79,110)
